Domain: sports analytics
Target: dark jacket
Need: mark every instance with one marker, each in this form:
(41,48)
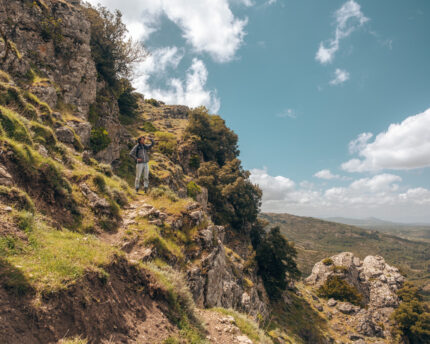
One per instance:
(140,151)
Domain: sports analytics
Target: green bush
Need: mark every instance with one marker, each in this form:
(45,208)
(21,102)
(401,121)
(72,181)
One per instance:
(327,261)
(127,101)
(148,127)
(165,191)
(166,142)
(100,182)
(153,102)
(337,288)
(13,126)
(194,162)
(99,139)
(412,317)
(193,189)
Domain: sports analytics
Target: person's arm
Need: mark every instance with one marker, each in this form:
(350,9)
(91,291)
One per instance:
(133,153)
(150,145)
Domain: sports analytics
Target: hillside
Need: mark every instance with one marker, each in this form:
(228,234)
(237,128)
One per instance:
(412,231)
(85,258)
(316,239)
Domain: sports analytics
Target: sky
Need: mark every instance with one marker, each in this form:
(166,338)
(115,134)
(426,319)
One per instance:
(330,99)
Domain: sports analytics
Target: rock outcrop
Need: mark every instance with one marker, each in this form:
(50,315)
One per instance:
(374,279)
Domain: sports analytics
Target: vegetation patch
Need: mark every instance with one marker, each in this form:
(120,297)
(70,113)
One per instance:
(99,139)
(337,288)
(13,126)
(246,325)
(51,259)
(193,190)
(412,317)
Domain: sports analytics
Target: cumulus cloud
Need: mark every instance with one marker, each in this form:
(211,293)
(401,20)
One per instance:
(340,76)
(403,146)
(209,26)
(381,195)
(326,174)
(348,18)
(191,91)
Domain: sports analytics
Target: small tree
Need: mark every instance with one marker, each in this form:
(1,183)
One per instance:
(276,262)
(113,54)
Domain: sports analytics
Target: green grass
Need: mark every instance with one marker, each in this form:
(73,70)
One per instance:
(246,325)
(13,126)
(52,259)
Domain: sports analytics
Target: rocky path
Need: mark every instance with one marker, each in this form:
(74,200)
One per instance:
(222,328)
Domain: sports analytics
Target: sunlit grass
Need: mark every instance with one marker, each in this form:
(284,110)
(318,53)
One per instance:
(54,258)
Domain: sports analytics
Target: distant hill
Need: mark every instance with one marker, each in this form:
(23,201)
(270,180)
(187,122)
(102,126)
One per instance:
(316,239)
(412,231)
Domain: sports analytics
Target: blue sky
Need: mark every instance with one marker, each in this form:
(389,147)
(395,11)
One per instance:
(329,98)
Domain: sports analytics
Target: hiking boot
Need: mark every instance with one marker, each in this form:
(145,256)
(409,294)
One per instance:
(145,189)
(137,190)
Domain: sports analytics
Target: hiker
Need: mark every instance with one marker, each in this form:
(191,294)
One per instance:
(140,154)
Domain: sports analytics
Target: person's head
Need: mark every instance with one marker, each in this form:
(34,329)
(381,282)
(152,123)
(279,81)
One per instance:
(141,140)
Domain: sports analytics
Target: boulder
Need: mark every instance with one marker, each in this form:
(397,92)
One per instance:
(65,135)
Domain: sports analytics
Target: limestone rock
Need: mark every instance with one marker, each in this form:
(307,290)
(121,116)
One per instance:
(65,135)
(5,177)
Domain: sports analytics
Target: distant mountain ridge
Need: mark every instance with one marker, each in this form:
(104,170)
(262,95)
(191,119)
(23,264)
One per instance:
(372,221)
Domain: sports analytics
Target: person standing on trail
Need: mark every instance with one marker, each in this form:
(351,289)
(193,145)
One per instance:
(140,154)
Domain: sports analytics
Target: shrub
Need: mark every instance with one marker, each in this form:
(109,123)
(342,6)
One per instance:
(106,169)
(337,288)
(194,162)
(193,190)
(100,182)
(148,127)
(153,102)
(99,139)
(166,142)
(276,260)
(412,317)
(127,100)
(327,261)
(164,191)
(13,126)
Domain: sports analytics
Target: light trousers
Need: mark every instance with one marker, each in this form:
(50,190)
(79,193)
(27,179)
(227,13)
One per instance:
(142,167)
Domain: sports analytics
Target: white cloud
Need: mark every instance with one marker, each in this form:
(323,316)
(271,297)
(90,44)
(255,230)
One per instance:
(348,18)
(209,26)
(290,113)
(340,76)
(275,188)
(190,91)
(403,146)
(359,143)
(326,174)
(381,196)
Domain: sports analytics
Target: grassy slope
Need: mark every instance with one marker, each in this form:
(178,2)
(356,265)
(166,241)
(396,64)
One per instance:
(316,239)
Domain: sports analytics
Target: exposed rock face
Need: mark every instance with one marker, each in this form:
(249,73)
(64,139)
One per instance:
(374,279)
(55,39)
(215,282)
